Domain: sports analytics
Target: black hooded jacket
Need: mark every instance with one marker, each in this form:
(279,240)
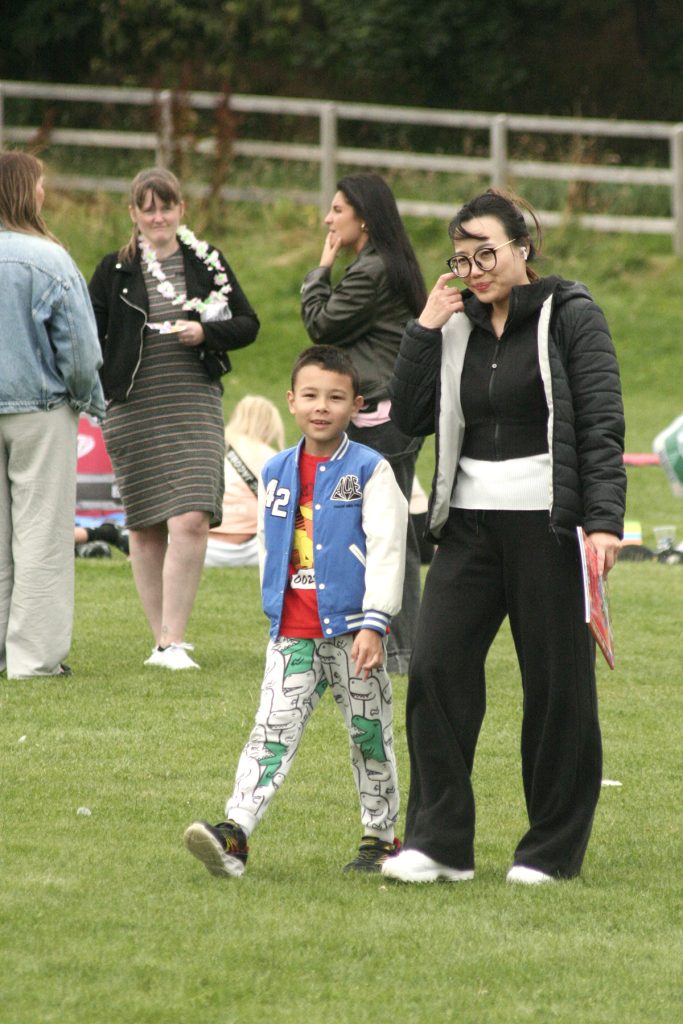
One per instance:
(578,369)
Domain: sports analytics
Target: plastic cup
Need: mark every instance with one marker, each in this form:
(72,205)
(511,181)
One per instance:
(665,537)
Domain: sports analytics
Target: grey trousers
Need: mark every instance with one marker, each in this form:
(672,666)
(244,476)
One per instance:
(37,503)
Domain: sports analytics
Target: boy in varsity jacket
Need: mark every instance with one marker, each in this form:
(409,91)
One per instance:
(332,532)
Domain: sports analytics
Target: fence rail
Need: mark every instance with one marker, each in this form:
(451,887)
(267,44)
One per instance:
(498,166)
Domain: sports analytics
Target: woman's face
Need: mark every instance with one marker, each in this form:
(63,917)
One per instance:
(343,223)
(158,222)
(495,285)
(40,193)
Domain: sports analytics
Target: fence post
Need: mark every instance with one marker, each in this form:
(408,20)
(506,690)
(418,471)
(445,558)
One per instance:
(328,154)
(499,151)
(165,129)
(677,185)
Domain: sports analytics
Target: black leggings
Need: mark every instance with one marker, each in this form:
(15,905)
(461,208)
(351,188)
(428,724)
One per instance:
(489,564)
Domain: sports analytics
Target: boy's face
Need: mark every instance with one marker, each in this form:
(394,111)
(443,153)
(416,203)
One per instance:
(322,404)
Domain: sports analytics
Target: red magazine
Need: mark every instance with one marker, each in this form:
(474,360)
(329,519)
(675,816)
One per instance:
(595,598)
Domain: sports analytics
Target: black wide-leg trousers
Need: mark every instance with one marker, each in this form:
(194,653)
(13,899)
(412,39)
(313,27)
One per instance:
(489,564)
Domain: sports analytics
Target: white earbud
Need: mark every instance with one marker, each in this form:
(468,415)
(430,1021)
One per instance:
(523,252)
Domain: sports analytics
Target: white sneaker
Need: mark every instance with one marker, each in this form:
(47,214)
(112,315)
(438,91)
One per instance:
(174,656)
(413,866)
(527,876)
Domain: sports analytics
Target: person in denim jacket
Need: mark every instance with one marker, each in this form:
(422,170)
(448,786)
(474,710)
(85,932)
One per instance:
(49,361)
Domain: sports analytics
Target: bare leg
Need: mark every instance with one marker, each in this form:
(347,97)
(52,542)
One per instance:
(148,549)
(182,572)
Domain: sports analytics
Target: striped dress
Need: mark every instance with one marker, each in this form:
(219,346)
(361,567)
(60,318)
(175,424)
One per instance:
(166,440)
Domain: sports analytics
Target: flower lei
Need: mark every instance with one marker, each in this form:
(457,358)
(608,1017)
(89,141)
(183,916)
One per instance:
(209,257)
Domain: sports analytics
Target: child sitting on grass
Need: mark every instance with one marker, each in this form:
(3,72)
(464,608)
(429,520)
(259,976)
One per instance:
(332,532)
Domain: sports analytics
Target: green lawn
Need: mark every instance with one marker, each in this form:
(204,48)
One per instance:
(104,917)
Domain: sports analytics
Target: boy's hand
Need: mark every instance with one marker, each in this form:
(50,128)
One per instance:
(367,652)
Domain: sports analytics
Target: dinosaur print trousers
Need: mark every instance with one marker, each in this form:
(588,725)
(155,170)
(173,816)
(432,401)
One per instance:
(297,674)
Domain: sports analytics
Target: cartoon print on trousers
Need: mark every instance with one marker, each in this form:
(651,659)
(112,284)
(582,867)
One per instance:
(333,656)
(271,762)
(283,712)
(376,808)
(361,704)
(298,671)
(299,656)
(367,735)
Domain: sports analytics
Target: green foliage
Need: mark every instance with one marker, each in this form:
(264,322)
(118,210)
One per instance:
(44,40)
(616,58)
(146,42)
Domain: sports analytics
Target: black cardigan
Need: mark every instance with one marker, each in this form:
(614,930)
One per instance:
(119,298)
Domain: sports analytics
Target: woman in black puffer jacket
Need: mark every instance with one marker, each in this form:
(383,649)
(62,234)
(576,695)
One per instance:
(518,378)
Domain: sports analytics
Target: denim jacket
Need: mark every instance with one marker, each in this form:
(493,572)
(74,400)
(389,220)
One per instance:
(49,351)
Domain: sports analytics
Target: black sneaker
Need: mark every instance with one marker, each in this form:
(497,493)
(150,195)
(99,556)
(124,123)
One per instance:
(372,853)
(113,534)
(93,549)
(221,848)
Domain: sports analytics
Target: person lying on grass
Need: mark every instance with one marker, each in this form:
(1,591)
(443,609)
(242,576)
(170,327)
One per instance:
(332,534)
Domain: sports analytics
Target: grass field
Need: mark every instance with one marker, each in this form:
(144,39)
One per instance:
(104,917)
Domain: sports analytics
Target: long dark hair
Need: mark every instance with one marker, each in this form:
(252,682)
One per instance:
(507,208)
(374,203)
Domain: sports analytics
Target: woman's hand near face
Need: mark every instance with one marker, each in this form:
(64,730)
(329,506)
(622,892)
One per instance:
(442,302)
(192,333)
(330,249)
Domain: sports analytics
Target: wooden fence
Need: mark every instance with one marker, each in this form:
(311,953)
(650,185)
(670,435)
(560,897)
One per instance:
(497,166)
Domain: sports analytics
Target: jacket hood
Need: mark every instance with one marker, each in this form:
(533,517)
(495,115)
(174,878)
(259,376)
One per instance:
(564,291)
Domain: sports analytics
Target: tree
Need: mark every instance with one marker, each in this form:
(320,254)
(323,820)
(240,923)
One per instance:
(43,40)
(615,58)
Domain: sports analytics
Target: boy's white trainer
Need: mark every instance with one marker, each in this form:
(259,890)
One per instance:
(413,866)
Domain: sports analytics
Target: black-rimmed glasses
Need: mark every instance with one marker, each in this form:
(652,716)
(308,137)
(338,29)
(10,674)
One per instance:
(485,258)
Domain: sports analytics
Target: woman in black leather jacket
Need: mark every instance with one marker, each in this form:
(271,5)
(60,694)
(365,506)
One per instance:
(365,313)
(168,310)
(518,377)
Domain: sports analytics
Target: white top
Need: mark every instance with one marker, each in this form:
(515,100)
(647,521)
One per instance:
(518,485)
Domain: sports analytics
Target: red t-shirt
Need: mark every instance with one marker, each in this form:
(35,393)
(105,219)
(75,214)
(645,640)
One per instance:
(300,616)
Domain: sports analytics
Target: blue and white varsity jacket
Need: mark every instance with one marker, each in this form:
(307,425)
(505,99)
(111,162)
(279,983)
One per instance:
(360,521)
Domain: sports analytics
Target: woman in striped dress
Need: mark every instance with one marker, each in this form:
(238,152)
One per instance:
(168,310)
